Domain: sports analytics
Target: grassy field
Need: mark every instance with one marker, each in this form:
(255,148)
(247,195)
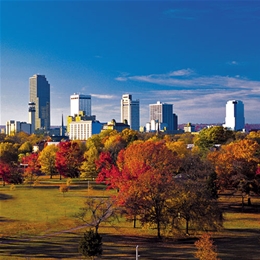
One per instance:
(38,222)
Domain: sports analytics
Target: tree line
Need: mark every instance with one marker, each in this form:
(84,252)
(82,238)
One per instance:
(159,181)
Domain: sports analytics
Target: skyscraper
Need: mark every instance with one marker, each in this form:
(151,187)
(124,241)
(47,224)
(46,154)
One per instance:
(40,95)
(130,111)
(79,102)
(235,119)
(162,114)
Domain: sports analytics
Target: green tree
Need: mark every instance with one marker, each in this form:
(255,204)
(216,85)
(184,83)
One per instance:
(208,137)
(90,245)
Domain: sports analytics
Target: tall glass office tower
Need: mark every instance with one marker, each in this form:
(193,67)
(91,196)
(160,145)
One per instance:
(162,113)
(130,111)
(235,119)
(79,102)
(40,95)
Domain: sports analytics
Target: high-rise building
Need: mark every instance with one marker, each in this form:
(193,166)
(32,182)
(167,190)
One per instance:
(130,111)
(235,119)
(79,102)
(161,116)
(40,95)
(31,111)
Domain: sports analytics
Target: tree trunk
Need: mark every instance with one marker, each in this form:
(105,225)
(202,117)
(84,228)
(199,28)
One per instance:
(158,229)
(187,227)
(134,221)
(242,203)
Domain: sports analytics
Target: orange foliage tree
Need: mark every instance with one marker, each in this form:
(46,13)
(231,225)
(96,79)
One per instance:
(206,250)
(236,165)
(143,176)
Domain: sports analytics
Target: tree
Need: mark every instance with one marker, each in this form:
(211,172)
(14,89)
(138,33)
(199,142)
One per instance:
(25,148)
(208,137)
(88,168)
(236,166)
(8,152)
(69,158)
(96,211)
(33,165)
(47,160)
(5,172)
(194,204)
(90,244)
(114,144)
(64,188)
(196,194)
(144,177)
(206,250)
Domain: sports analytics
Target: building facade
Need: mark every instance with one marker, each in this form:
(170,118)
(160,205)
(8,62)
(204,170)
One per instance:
(13,127)
(80,103)
(40,96)
(82,130)
(162,117)
(130,111)
(235,119)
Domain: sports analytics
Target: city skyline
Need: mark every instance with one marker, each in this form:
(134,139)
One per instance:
(195,55)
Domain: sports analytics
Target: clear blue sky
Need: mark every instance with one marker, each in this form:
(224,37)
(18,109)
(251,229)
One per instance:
(196,55)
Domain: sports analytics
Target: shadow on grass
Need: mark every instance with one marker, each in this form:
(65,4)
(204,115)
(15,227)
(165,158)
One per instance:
(114,247)
(5,196)
(239,245)
(232,244)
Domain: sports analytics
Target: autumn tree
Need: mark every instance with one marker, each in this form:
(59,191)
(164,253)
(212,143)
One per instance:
(144,177)
(64,188)
(88,167)
(8,152)
(5,172)
(33,166)
(114,144)
(69,158)
(25,148)
(206,250)
(193,204)
(236,166)
(47,160)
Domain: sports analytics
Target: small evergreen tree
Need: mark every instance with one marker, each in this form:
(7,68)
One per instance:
(90,244)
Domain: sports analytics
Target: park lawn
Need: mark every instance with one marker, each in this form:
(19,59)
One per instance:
(36,209)
(37,222)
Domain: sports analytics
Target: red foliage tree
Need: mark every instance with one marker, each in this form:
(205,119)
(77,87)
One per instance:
(5,172)
(33,165)
(69,158)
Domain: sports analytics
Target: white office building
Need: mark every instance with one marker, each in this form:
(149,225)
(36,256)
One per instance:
(130,111)
(82,130)
(235,119)
(79,102)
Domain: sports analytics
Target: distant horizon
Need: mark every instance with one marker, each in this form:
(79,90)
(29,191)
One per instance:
(195,55)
